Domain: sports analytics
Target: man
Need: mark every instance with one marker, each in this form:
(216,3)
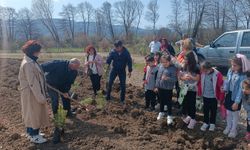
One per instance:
(120,58)
(61,74)
(154,46)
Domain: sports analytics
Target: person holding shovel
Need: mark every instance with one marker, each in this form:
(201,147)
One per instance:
(120,58)
(33,92)
(61,74)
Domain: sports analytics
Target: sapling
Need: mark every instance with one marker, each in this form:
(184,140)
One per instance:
(59,122)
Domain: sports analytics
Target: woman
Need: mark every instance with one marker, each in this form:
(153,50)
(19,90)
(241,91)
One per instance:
(94,67)
(166,47)
(33,94)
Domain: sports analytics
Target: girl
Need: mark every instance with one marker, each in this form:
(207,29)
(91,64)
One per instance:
(210,88)
(189,78)
(149,83)
(157,57)
(165,82)
(233,90)
(94,67)
(166,47)
(33,92)
(246,104)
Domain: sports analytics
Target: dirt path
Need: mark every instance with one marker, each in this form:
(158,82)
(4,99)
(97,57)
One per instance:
(111,128)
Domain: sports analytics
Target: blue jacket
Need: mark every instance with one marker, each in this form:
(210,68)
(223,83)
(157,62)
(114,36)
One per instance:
(237,90)
(59,75)
(120,61)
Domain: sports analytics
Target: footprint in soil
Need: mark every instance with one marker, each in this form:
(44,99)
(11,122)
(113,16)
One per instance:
(14,137)
(135,113)
(119,130)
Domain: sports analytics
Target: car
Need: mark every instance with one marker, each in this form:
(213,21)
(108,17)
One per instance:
(226,46)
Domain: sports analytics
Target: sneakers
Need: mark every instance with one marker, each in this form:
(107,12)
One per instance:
(226,131)
(160,116)
(211,127)
(169,120)
(38,139)
(247,136)
(187,119)
(204,127)
(191,124)
(232,134)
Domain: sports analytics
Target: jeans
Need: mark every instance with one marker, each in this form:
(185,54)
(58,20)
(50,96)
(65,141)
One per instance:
(54,102)
(95,80)
(209,110)
(32,132)
(122,77)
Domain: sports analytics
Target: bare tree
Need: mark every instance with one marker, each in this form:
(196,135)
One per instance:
(140,13)
(127,12)
(86,11)
(195,11)
(234,13)
(176,22)
(108,14)
(244,6)
(152,14)
(99,19)
(27,23)
(69,14)
(10,21)
(43,9)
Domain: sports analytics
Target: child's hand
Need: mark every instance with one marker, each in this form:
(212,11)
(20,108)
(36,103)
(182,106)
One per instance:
(156,90)
(235,106)
(164,77)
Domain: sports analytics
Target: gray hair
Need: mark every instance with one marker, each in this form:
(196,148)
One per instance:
(75,61)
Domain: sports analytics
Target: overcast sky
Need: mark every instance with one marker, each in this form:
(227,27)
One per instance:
(164,8)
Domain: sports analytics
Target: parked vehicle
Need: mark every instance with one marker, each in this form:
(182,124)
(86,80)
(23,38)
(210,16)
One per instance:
(225,47)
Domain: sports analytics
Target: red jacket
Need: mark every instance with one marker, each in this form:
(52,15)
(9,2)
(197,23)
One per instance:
(217,84)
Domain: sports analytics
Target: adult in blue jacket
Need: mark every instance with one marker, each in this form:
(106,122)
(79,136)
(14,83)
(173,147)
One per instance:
(120,58)
(61,74)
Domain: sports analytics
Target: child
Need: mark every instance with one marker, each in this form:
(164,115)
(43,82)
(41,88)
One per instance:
(246,104)
(233,90)
(149,83)
(165,82)
(189,78)
(157,57)
(210,88)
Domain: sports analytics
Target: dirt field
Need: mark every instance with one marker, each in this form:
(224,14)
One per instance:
(111,128)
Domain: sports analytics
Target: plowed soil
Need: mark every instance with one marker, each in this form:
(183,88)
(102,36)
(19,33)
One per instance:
(113,127)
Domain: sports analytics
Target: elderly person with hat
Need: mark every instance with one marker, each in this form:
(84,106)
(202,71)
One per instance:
(94,67)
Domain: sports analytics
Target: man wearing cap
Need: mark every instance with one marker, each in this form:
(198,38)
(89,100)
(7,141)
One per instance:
(120,58)
(61,74)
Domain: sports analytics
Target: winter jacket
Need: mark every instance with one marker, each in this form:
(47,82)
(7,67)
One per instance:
(120,60)
(217,85)
(171,73)
(59,75)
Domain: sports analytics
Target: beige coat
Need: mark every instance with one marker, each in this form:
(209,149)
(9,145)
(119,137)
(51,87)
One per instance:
(33,96)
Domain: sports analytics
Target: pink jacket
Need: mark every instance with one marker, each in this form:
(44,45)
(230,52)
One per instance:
(99,64)
(217,84)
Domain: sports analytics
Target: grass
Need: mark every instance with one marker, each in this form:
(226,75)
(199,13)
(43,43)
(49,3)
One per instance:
(138,66)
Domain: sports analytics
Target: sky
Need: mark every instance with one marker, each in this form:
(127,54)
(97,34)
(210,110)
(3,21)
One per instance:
(165,10)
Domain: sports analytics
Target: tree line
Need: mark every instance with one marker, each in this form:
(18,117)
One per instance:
(200,19)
